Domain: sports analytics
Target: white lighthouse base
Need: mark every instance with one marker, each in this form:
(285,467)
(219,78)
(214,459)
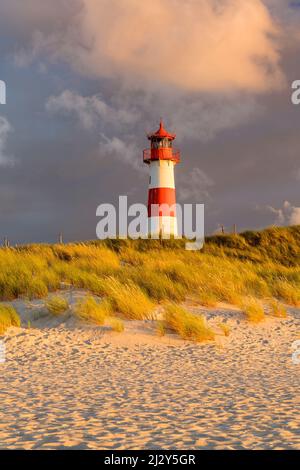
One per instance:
(163,226)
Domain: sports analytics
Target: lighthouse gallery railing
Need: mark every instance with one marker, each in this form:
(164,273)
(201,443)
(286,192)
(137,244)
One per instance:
(161,154)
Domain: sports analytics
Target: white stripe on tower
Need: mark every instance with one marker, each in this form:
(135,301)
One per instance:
(162,174)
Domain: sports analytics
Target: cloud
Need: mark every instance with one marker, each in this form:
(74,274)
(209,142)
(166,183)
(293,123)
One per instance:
(123,151)
(196,45)
(202,117)
(91,111)
(287,215)
(195,186)
(5,129)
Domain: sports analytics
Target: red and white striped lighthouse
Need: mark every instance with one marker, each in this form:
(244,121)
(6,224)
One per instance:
(161,158)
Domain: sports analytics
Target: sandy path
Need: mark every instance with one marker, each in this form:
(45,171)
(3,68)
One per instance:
(74,386)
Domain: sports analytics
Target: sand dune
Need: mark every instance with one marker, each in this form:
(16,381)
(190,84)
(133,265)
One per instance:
(70,385)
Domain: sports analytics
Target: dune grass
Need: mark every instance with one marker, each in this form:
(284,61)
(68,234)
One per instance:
(187,325)
(277,309)
(57,305)
(8,317)
(116,324)
(90,310)
(135,275)
(161,328)
(225,329)
(253,310)
(129,300)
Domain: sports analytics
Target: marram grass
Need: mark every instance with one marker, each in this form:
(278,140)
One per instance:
(187,325)
(253,309)
(57,305)
(93,311)
(8,317)
(133,276)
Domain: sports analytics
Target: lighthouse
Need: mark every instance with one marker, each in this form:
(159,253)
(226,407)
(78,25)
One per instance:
(161,158)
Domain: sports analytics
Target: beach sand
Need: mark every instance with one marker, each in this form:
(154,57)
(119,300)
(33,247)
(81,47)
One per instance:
(68,385)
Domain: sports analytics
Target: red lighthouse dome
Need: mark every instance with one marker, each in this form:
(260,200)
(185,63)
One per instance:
(161,146)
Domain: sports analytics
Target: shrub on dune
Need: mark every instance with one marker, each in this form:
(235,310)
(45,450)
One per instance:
(159,286)
(161,328)
(225,328)
(253,310)
(116,324)
(187,325)
(8,317)
(89,309)
(277,309)
(207,299)
(57,305)
(287,291)
(129,300)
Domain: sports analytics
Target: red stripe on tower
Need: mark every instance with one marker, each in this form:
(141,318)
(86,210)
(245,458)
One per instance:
(161,158)
(161,202)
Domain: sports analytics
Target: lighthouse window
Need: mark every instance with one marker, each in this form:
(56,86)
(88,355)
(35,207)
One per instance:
(150,180)
(161,143)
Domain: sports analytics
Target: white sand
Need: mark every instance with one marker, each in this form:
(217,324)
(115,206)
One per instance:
(69,385)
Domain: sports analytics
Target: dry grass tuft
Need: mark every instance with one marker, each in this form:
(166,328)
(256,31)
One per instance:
(116,324)
(277,309)
(225,328)
(207,299)
(287,291)
(57,305)
(129,300)
(187,325)
(89,309)
(161,328)
(8,317)
(253,310)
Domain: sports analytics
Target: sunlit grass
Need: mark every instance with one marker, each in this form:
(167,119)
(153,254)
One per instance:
(90,310)
(8,317)
(207,299)
(116,324)
(57,305)
(129,300)
(187,325)
(253,310)
(136,275)
(277,309)
(225,328)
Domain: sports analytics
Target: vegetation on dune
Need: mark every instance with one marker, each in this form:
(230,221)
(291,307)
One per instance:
(90,310)
(57,305)
(8,317)
(253,310)
(187,325)
(225,328)
(277,309)
(132,276)
(116,324)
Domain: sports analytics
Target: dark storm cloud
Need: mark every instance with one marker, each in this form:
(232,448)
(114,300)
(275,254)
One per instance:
(75,140)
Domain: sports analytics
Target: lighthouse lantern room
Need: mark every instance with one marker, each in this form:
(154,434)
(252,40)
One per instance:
(161,158)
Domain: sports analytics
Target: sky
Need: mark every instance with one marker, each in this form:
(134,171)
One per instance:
(86,81)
